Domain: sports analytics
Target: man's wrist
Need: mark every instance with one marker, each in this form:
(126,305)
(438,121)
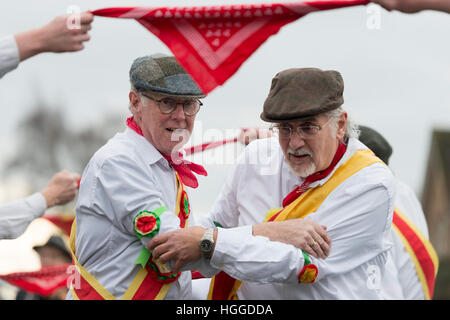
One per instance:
(49,198)
(207,242)
(29,43)
(262,229)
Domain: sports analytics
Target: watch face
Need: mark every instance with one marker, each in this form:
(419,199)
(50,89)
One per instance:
(206,245)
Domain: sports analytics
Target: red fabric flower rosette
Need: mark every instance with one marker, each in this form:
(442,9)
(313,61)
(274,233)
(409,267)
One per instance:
(308,274)
(309,271)
(146,224)
(159,272)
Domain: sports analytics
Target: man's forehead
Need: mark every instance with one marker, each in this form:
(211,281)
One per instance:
(301,121)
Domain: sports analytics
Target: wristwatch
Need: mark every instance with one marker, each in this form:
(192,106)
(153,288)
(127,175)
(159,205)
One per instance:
(206,243)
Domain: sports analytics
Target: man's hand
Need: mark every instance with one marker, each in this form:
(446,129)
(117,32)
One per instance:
(304,234)
(247,135)
(56,36)
(180,245)
(62,188)
(413,6)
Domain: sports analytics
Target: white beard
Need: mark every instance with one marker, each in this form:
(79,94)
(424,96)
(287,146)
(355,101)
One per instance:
(304,172)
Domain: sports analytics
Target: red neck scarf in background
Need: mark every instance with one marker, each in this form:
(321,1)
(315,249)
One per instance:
(212,42)
(183,167)
(42,282)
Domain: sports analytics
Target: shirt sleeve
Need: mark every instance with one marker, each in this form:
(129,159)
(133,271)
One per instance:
(9,55)
(121,191)
(15,216)
(254,258)
(358,217)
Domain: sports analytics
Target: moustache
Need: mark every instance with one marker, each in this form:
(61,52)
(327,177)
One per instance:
(299,152)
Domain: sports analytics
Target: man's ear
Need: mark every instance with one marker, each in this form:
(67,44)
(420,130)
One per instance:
(135,102)
(342,126)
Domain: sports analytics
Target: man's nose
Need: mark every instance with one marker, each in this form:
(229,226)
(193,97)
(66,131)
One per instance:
(296,141)
(178,113)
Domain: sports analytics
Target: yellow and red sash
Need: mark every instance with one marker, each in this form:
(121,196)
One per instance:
(421,250)
(224,287)
(152,281)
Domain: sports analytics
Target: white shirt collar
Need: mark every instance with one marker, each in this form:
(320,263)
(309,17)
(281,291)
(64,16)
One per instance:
(145,148)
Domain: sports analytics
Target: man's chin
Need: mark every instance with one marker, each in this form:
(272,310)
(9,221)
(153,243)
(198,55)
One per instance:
(302,171)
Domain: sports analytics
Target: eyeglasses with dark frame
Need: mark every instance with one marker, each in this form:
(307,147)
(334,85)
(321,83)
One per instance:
(305,132)
(168,105)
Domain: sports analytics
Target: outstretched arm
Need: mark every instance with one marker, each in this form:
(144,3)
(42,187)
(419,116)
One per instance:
(56,36)
(182,247)
(15,216)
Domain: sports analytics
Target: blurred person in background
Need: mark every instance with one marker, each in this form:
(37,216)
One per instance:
(52,253)
(405,277)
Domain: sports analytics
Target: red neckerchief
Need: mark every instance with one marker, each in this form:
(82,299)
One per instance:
(315,176)
(184,167)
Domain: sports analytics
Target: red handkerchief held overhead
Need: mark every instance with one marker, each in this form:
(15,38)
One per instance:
(211,42)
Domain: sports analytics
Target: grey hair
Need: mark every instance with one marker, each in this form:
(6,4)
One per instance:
(352,129)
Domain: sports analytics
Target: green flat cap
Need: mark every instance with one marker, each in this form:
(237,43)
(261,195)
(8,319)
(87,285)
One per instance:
(302,92)
(163,74)
(375,142)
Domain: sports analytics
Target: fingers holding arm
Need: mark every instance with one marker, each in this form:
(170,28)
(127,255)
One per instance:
(304,234)
(180,246)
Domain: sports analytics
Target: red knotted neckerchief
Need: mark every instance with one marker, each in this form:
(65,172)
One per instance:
(212,42)
(183,167)
(315,177)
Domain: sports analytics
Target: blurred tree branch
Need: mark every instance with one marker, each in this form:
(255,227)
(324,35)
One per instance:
(46,144)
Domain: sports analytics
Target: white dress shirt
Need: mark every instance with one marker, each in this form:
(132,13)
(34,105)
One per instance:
(358,216)
(123,178)
(15,216)
(9,54)
(402,281)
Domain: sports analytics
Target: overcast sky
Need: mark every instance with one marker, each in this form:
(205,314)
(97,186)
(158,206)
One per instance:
(397,77)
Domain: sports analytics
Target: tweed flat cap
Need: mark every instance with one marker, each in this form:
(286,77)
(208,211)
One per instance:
(375,142)
(163,74)
(302,92)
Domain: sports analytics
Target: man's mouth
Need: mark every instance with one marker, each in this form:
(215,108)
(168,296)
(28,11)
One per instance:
(299,156)
(175,130)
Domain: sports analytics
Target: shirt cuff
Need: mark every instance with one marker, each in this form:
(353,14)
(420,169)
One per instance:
(227,239)
(37,201)
(9,54)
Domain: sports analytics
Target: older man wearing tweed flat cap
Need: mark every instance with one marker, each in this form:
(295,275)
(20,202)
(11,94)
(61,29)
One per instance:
(131,190)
